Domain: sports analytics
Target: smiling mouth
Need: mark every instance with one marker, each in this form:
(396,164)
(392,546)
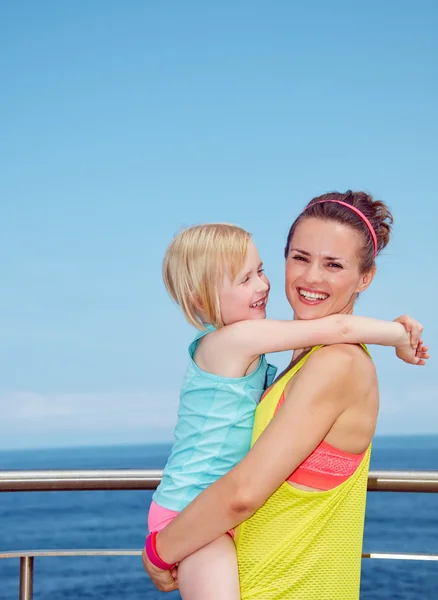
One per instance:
(310,296)
(260,304)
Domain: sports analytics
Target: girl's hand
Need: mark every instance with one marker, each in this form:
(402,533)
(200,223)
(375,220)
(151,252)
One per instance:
(412,351)
(164,581)
(413,327)
(413,356)
(422,353)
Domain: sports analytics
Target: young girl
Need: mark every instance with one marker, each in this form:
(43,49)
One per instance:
(215,274)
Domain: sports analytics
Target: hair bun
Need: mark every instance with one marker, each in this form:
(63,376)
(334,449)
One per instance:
(376,212)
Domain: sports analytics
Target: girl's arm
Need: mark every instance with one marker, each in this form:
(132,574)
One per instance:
(254,337)
(321,394)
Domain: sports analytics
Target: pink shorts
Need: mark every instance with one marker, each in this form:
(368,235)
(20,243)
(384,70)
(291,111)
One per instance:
(159,517)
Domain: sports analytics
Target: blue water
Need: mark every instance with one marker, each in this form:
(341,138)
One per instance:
(394,522)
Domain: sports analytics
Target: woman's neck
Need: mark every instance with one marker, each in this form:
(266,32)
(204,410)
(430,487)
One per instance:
(298,352)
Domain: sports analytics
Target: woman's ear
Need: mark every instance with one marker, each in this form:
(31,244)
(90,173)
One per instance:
(366,279)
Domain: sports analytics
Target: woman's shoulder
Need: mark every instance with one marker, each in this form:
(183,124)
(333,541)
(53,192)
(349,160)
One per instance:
(352,359)
(347,352)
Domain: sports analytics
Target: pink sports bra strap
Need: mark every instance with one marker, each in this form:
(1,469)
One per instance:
(326,467)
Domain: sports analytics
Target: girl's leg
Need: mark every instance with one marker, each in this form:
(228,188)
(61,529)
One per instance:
(210,573)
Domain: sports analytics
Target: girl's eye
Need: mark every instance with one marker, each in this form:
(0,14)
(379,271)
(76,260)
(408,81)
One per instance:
(335,265)
(245,280)
(260,271)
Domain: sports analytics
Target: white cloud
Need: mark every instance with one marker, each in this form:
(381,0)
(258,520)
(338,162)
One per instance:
(30,418)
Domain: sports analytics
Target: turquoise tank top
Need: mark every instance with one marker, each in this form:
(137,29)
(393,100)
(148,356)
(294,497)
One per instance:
(213,431)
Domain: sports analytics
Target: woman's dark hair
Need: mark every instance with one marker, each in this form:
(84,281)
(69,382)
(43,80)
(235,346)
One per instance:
(325,207)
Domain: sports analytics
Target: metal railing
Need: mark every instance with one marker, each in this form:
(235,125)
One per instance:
(148,479)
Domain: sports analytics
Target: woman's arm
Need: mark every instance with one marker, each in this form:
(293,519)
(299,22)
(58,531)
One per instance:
(254,337)
(321,394)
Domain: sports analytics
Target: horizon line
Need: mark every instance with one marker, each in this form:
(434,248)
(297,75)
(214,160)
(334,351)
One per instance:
(79,446)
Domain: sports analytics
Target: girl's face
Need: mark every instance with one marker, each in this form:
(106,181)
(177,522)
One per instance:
(322,269)
(245,297)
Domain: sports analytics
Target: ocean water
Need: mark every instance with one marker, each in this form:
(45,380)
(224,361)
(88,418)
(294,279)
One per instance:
(46,520)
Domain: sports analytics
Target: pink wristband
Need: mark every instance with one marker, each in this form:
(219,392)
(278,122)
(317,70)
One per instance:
(152,554)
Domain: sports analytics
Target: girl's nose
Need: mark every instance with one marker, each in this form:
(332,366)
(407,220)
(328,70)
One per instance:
(263,285)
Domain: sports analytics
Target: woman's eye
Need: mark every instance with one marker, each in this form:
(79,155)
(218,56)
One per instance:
(245,280)
(335,265)
(260,271)
(300,258)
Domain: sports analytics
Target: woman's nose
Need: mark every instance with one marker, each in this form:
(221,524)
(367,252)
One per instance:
(313,274)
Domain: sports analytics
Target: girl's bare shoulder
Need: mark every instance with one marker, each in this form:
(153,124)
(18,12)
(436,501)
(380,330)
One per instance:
(216,354)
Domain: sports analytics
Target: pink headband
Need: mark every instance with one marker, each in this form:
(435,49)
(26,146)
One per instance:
(359,213)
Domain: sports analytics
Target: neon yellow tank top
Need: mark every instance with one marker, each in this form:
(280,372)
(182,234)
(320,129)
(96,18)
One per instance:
(303,545)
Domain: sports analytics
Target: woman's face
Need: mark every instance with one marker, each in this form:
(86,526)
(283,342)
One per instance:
(322,269)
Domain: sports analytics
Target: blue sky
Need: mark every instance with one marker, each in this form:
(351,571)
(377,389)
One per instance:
(123,122)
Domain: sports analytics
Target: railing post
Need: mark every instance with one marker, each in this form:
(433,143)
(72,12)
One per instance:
(26,577)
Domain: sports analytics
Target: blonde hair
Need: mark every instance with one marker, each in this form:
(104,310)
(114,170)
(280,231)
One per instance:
(195,264)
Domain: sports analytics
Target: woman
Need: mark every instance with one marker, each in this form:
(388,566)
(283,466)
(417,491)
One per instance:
(300,492)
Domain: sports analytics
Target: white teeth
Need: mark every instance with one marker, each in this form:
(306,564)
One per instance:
(257,304)
(313,295)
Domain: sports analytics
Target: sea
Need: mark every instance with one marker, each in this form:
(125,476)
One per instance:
(395,522)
